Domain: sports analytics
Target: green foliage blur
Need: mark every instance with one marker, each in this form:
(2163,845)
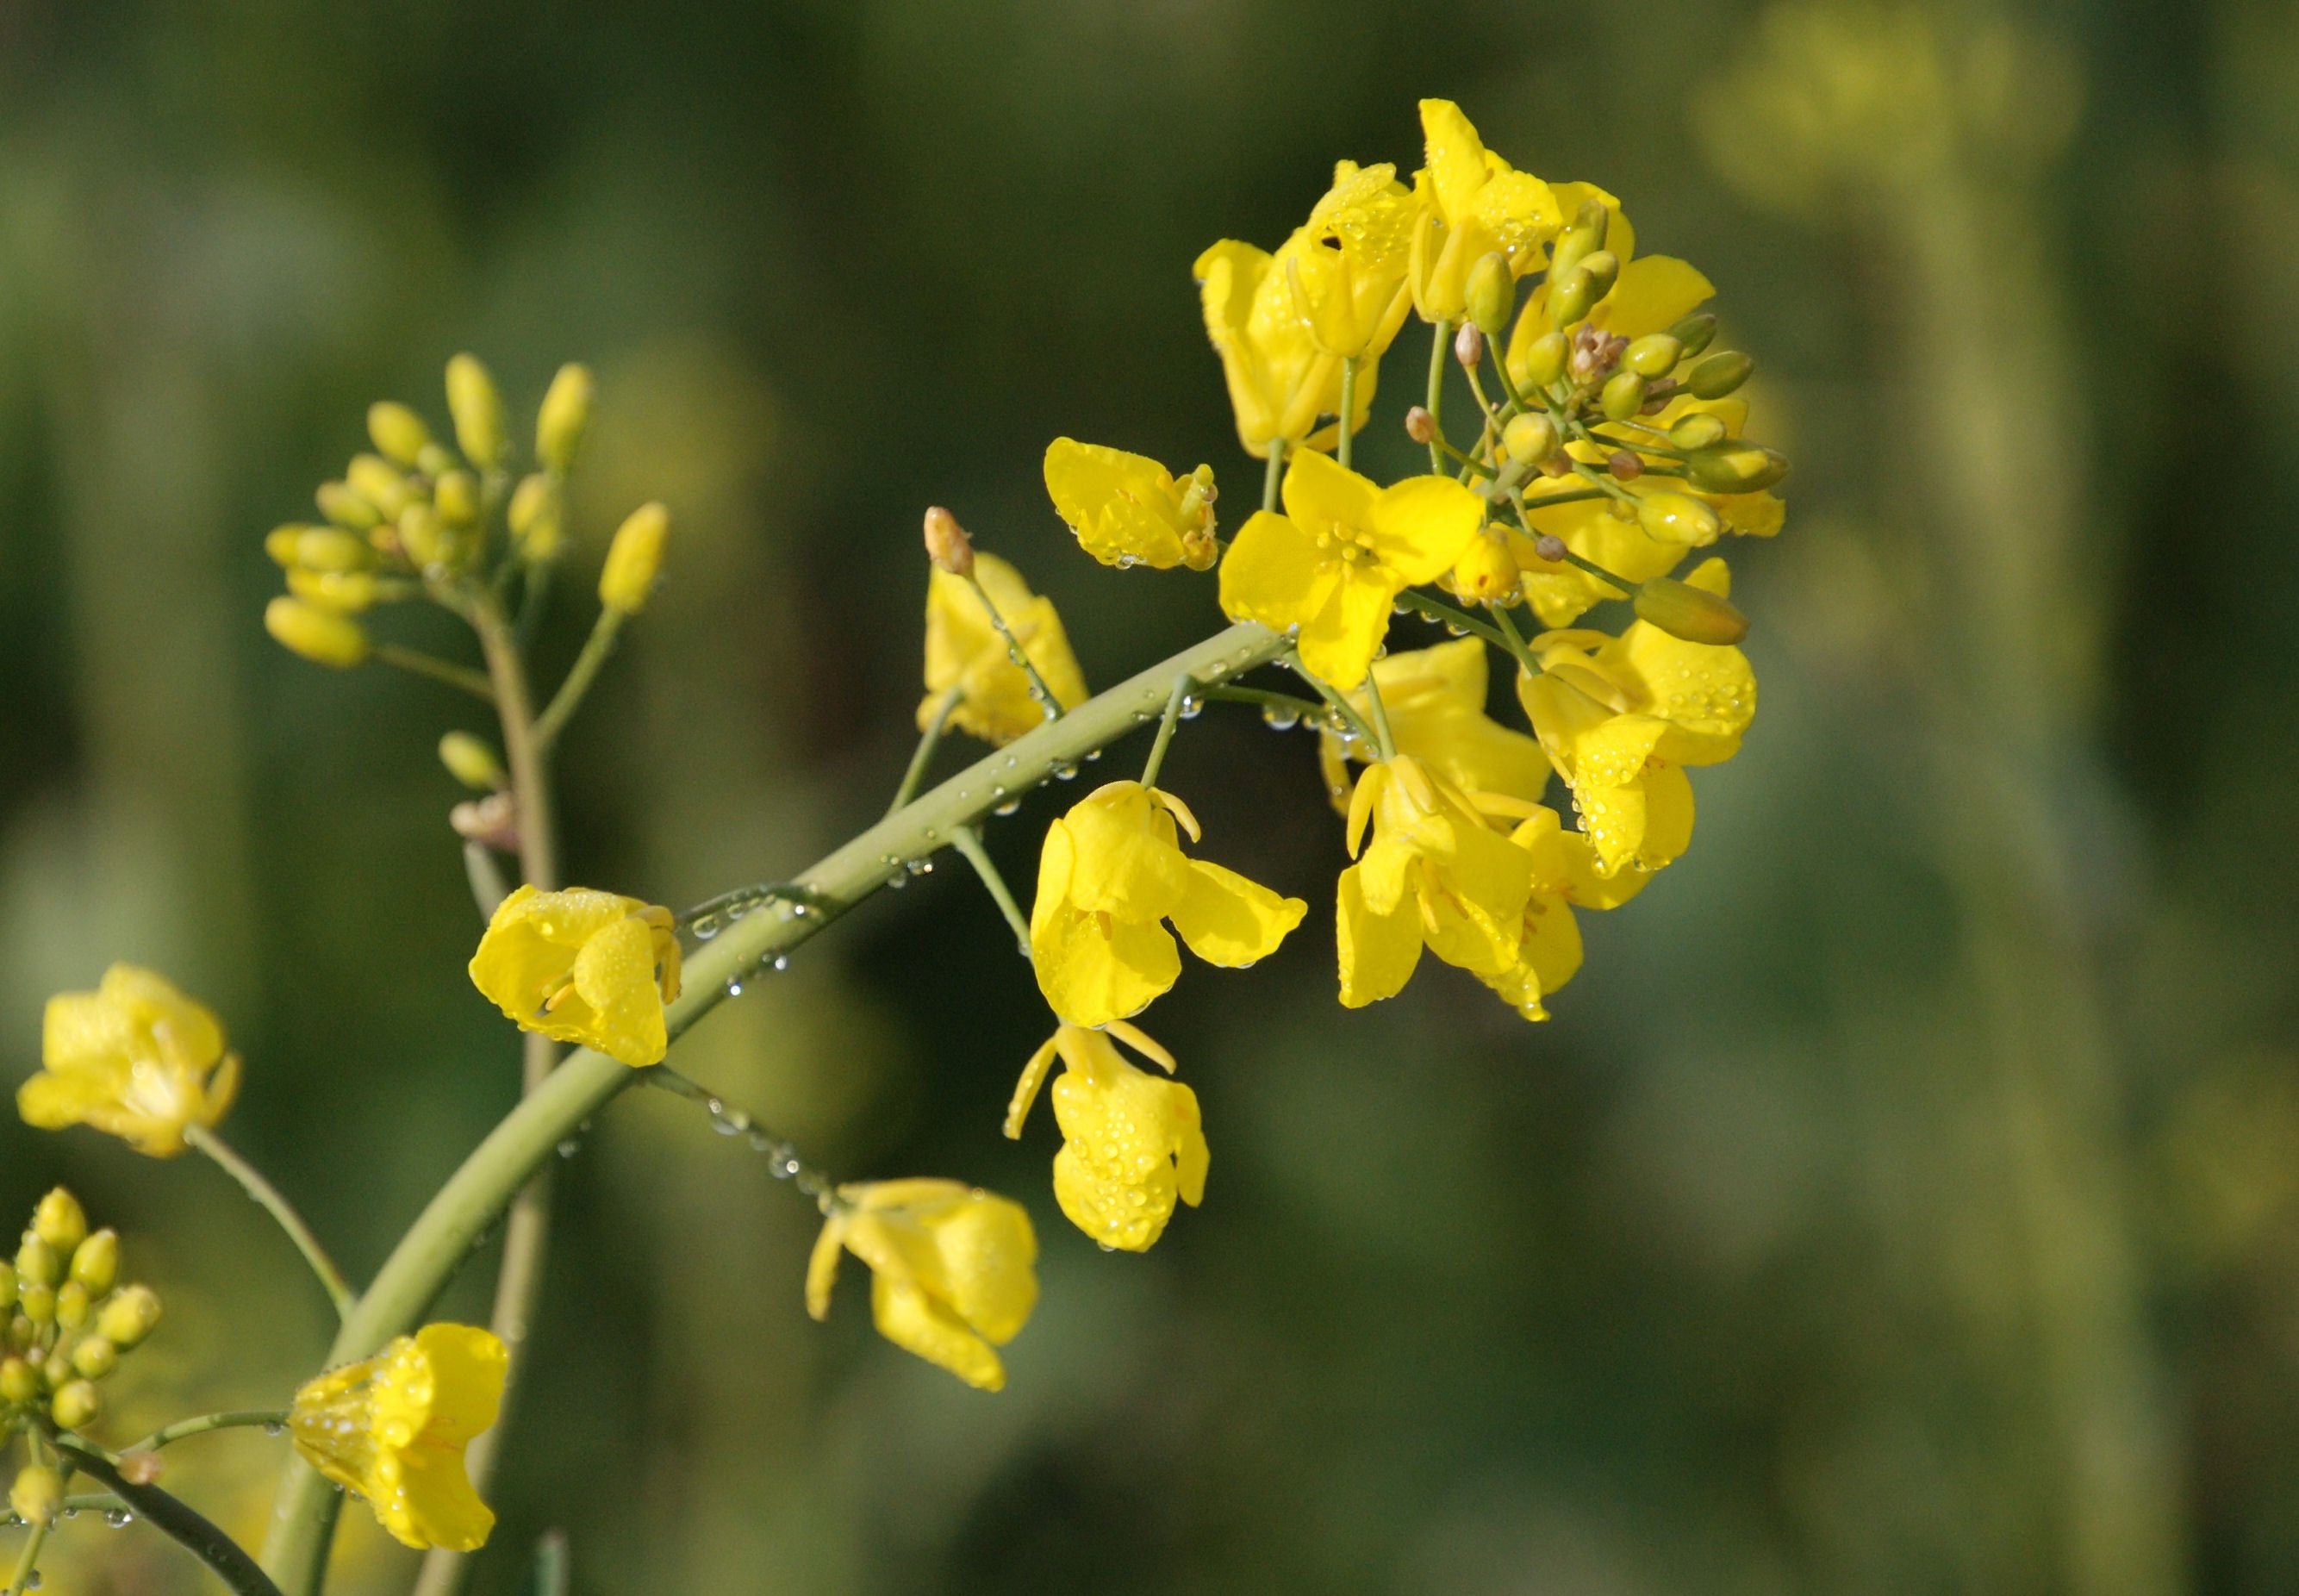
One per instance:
(1906,1198)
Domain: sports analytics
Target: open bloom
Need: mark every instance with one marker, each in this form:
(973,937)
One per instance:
(1132,1142)
(966,655)
(1436,875)
(1112,872)
(1335,561)
(1280,381)
(953,1269)
(1436,702)
(582,966)
(1475,204)
(393,1426)
(1564,878)
(1622,717)
(1346,266)
(136,1059)
(1128,510)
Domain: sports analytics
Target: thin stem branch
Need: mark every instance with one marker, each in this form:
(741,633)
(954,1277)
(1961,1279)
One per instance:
(1285,702)
(184,1429)
(1166,725)
(1340,706)
(1348,411)
(439,670)
(724,1116)
(1437,609)
(251,1180)
(1015,652)
(1380,718)
(224,1556)
(28,1561)
(967,841)
(486,877)
(1273,475)
(928,741)
(596,648)
(1440,346)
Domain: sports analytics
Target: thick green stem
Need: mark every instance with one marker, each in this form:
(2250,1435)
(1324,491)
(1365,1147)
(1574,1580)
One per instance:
(450,1225)
(251,1180)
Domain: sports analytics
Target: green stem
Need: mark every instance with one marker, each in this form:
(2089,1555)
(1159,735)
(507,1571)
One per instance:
(1015,652)
(442,1237)
(224,1556)
(28,1561)
(927,743)
(486,878)
(1380,717)
(967,841)
(1340,706)
(1440,347)
(1166,725)
(1438,610)
(1348,411)
(779,1150)
(1267,699)
(183,1429)
(439,670)
(251,1180)
(549,1577)
(564,703)
(1273,475)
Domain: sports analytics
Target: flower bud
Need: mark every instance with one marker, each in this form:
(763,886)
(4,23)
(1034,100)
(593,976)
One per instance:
(477,409)
(37,1263)
(76,1405)
(535,517)
(436,460)
(320,635)
(1572,296)
(1550,547)
(1579,241)
(1694,332)
(1490,293)
(346,507)
(96,1261)
(1486,572)
(1622,396)
(566,412)
(1529,439)
(1626,465)
(634,559)
(471,761)
(345,591)
(1677,518)
(1469,345)
(1735,468)
(35,1301)
(7,1290)
(1545,358)
(380,483)
(328,549)
(37,1494)
(94,1358)
(399,433)
(1420,426)
(128,1316)
(20,1382)
(424,536)
(455,494)
(71,1305)
(947,543)
(61,1222)
(1698,430)
(1655,354)
(1719,374)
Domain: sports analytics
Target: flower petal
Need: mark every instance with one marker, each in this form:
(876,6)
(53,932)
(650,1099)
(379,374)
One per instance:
(1231,921)
(1274,573)
(1419,527)
(915,1323)
(1378,951)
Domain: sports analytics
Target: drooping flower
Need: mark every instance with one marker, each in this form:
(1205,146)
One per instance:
(393,1426)
(1475,204)
(1280,381)
(953,1269)
(582,966)
(1112,872)
(1335,561)
(1436,702)
(1622,717)
(1346,266)
(1564,878)
(1128,510)
(966,655)
(1132,1142)
(135,1058)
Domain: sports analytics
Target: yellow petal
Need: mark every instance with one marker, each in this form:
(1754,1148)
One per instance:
(1653,294)
(615,975)
(915,1323)
(1124,508)
(1378,951)
(1275,574)
(1127,862)
(822,1265)
(1419,527)
(1231,921)
(1339,642)
(1456,157)
(1091,976)
(1322,496)
(989,1259)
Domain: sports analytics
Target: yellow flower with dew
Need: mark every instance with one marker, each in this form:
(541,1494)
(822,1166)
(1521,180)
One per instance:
(392,1427)
(135,1058)
(1623,716)
(1335,562)
(966,655)
(1132,1142)
(582,966)
(1436,702)
(1436,875)
(1347,267)
(1473,204)
(953,1269)
(1280,381)
(1564,878)
(1111,874)
(1128,510)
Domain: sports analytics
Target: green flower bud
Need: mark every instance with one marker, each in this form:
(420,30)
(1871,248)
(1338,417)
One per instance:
(37,1494)
(399,433)
(346,507)
(1694,332)
(61,1222)
(1584,237)
(96,1261)
(1655,354)
(1677,518)
(634,559)
(1719,374)
(1576,294)
(77,1405)
(1623,396)
(35,1301)
(71,1305)
(456,497)
(471,761)
(128,1316)
(535,517)
(37,1263)
(1737,467)
(566,412)
(1490,293)
(1545,358)
(20,1382)
(320,635)
(1697,431)
(477,409)
(94,1358)
(1529,439)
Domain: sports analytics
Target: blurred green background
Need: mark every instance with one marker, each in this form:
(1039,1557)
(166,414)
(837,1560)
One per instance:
(1904,1198)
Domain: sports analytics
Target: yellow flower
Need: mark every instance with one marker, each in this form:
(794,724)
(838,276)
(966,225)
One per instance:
(964,654)
(1335,561)
(1650,295)
(1132,1142)
(584,967)
(1111,873)
(1436,875)
(1280,381)
(1564,878)
(1348,267)
(1436,702)
(1475,204)
(953,1269)
(1128,510)
(1622,717)
(393,1426)
(136,1059)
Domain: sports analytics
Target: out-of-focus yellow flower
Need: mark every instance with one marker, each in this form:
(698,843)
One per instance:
(1111,873)
(1436,702)
(634,559)
(1475,204)
(1128,510)
(1436,875)
(393,1426)
(1622,717)
(1346,266)
(136,1059)
(1280,382)
(321,633)
(966,654)
(1132,1142)
(582,966)
(953,1269)
(1335,561)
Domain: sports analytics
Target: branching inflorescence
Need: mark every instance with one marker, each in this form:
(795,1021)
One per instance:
(1605,445)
